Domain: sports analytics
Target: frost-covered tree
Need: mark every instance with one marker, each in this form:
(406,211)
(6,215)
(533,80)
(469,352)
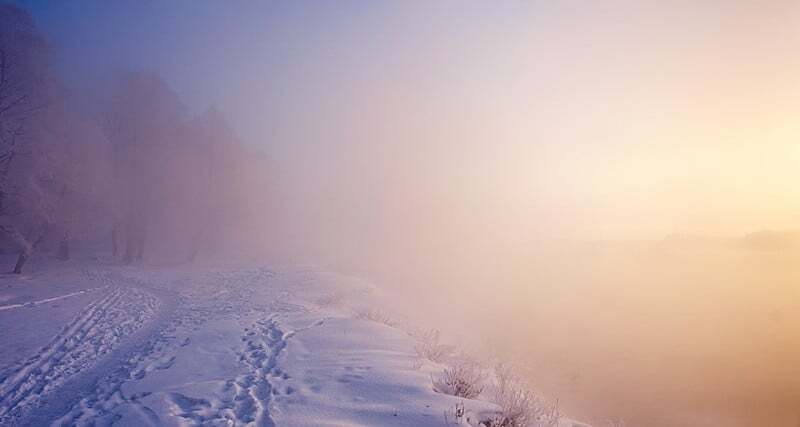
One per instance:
(29,185)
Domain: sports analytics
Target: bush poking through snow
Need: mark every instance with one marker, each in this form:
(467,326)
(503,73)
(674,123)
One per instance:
(428,346)
(377,316)
(463,380)
(334,299)
(521,407)
(457,414)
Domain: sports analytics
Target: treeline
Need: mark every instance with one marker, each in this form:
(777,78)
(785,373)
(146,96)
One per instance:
(138,174)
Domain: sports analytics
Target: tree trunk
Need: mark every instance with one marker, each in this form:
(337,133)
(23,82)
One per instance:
(21,260)
(133,238)
(27,250)
(115,239)
(140,238)
(63,248)
(130,246)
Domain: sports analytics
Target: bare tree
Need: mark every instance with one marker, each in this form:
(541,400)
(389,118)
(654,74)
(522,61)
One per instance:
(26,90)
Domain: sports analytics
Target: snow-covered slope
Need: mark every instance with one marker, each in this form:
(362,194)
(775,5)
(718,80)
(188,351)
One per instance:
(107,345)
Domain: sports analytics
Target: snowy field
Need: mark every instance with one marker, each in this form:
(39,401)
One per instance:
(124,346)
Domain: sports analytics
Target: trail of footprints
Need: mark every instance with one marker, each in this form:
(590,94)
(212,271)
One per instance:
(248,396)
(263,343)
(93,333)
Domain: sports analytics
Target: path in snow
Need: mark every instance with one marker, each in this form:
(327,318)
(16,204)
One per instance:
(223,348)
(211,363)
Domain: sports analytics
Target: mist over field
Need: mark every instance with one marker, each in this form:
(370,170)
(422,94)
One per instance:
(601,194)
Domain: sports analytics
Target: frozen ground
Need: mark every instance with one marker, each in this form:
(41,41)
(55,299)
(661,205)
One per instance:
(99,344)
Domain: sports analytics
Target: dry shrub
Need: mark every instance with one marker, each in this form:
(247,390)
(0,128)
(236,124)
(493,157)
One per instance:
(520,406)
(334,299)
(463,380)
(377,316)
(429,347)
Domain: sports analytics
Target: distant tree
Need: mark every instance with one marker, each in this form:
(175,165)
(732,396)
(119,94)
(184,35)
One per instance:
(216,144)
(84,170)
(144,113)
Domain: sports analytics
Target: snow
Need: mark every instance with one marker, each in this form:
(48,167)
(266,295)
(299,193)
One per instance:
(101,344)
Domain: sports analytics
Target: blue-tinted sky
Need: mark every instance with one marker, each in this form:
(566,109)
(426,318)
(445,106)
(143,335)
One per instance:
(235,55)
(259,61)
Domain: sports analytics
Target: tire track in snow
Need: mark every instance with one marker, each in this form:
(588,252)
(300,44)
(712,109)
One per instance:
(92,334)
(51,299)
(231,294)
(153,351)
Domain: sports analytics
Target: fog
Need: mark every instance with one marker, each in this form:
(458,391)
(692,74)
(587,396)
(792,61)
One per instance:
(581,188)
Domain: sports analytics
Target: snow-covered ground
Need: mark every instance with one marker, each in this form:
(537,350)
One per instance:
(100,344)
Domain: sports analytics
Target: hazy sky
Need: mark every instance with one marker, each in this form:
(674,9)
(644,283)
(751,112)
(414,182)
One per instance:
(437,142)
(615,119)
